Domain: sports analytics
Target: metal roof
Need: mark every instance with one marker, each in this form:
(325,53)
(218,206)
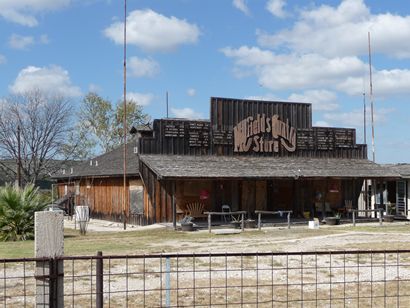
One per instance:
(108,164)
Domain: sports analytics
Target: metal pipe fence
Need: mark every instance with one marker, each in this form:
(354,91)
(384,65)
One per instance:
(265,279)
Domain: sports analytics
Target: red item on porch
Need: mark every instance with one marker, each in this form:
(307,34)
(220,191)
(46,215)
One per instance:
(203,194)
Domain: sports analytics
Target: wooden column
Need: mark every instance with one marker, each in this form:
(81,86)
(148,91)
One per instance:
(174,208)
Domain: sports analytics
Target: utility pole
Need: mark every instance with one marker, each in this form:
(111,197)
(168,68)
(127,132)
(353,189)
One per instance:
(364,118)
(371,97)
(124,196)
(167,103)
(366,190)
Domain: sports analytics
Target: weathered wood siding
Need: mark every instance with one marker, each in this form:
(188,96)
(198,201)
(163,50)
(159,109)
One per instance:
(216,137)
(157,197)
(103,195)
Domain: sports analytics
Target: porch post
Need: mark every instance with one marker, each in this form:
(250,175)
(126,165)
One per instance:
(381,195)
(174,208)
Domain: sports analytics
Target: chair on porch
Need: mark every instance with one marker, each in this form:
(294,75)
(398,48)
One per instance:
(226,209)
(347,207)
(195,209)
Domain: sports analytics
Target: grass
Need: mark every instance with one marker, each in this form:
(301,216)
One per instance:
(148,241)
(169,241)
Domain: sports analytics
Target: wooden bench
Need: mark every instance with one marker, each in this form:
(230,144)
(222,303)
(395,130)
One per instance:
(195,209)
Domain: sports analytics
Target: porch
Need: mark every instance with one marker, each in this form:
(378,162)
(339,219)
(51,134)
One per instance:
(309,187)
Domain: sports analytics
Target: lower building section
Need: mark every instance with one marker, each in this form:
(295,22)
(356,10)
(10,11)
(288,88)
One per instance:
(104,197)
(304,197)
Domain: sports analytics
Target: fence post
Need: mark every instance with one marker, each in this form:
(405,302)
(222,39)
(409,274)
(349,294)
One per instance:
(99,284)
(209,222)
(242,222)
(354,218)
(380,217)
(49,243)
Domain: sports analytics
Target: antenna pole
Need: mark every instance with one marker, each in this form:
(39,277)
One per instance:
(364,118)
(167,103)
(371,97)
(124,196)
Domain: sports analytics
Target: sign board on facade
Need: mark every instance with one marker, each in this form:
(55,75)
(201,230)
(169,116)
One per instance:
(264,134)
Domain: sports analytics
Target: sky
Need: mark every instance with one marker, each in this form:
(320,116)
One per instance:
(302,51)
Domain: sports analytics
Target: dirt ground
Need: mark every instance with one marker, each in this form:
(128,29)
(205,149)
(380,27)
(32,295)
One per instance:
(281,280)
(366,236)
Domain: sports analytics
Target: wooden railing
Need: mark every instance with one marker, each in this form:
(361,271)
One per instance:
(242,213)
(354,211)
(272,213)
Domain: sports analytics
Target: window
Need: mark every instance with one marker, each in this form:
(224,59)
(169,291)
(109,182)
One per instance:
(136,200)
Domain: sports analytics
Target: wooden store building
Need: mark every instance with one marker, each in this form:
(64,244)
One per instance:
(253,155)
(250,155)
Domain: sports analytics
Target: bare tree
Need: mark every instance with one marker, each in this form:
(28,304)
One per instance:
(45,127)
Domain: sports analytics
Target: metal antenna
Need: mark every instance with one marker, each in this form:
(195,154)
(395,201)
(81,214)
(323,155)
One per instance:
(167,103)
(371,97)
(364,118)
(124,195)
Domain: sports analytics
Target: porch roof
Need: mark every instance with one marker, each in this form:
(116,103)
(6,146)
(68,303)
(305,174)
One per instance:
(179,166)
(402,168)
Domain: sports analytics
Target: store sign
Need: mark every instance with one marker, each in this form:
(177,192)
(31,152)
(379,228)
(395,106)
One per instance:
(264,134)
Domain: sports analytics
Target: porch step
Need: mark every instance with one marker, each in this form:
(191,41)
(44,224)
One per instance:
(226,231)
(400,217)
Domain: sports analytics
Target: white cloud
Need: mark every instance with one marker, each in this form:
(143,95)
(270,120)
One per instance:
(385,82)
(267,97)
(44,39)
(242,6)
(275,7)
(292,71)
(321,124)
(152,31)
(52,79)
(355,118)
(2,59)
(142,99)
(342,31)
(142,67)
(20,42)
(95,88)
(191,92)
(23,12)
(321,100)
(186,113)
(310,71)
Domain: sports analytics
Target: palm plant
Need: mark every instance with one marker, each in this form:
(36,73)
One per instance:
(17,208)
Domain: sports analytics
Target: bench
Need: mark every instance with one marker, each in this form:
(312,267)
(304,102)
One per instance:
(195,209)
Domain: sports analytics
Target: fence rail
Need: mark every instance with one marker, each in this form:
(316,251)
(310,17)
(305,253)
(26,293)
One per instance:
(265,279)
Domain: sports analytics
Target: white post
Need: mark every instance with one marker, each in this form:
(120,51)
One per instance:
(408,199)
(49,243)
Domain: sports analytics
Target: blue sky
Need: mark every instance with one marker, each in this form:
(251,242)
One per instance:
(309,51)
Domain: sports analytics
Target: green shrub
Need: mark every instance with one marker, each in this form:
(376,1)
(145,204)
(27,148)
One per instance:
(17,208)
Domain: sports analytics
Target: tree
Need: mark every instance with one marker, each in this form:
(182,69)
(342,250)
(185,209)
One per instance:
(17,208)
(103,124)
(45,125)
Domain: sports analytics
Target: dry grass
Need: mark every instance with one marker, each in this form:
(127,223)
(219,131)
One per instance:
(266,281)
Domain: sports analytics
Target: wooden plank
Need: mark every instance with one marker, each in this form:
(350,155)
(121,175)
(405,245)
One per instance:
(163,204)
(157,201)
(248,196)
(260,202)
(169,200)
